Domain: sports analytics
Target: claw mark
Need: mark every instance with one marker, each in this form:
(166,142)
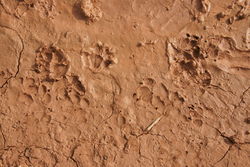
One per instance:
(19,56)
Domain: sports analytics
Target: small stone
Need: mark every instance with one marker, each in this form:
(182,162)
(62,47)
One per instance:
(140,44)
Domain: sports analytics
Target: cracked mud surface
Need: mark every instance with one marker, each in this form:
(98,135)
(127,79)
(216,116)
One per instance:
(154,83)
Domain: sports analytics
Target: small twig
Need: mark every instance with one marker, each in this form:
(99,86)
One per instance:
(153,124)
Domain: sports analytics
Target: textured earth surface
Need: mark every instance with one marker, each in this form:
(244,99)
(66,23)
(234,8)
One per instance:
(124,83)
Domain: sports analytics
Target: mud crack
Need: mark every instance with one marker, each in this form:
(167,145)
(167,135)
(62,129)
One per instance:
(4,139)
(242,96)
(6,11)
(115,92)
(230,140)
(19,55)
(72,156)
(152,134)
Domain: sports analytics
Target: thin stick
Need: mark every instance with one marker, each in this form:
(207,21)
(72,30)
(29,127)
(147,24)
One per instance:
(153,124)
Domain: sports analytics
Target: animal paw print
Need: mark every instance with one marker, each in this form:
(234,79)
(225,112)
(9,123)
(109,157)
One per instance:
(38,155)
(144,92)
(100,57)
(51,63)
(19,8)
(149,94)
(186,60)
(69,89)
(25,98)
(74,89)
(228,57)
(45,92)
(30,85)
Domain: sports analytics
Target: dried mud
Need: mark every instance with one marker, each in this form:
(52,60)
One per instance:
(154,83)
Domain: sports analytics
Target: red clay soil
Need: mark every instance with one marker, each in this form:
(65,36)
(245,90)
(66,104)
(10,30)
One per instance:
(124,83)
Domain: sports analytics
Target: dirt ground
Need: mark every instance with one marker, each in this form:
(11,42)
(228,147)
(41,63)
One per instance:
(124,83)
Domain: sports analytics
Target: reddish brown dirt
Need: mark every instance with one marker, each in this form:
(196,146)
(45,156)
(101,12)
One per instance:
(124,83)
